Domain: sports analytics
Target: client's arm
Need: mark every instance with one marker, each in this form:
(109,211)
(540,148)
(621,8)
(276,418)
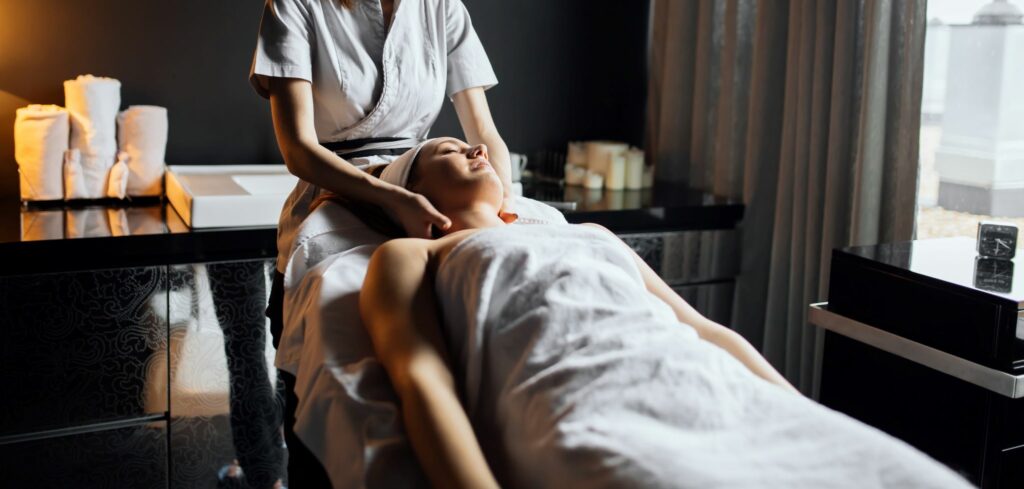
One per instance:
(725,338)
(397,304)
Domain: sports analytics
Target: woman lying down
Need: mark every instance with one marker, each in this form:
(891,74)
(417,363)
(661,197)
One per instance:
(552,356)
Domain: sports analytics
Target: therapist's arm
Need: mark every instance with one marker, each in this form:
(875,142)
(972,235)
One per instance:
(478,126)
(291,104)
(397,304)
(710,331)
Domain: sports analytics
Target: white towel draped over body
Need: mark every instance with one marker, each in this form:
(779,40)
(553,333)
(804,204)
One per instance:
(41,135)
(347,413)
(93,103)
(142,136)
(575,376)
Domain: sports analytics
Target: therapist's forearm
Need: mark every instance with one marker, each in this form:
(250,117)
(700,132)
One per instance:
(501,159)
(478,126)
(315,163)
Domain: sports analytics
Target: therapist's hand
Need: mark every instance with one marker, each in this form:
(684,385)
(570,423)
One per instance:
(416,214)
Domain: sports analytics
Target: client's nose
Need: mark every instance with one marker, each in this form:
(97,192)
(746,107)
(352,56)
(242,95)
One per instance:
(479,151)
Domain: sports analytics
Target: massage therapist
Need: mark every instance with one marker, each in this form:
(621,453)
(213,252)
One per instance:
(353,84)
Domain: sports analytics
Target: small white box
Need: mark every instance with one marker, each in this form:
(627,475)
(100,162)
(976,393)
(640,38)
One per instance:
(209,196)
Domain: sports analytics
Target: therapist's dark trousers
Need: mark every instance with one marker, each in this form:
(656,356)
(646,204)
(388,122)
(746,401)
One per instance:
(304,471)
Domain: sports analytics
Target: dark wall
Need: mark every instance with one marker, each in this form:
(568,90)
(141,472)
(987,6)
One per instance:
(567,70)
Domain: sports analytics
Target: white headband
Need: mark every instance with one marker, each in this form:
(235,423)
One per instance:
(397,172)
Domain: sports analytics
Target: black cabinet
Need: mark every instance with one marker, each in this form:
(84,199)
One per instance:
(920,348)
(155,376)
(78,348)
(131,456)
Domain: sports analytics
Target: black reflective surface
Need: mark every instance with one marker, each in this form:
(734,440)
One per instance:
(226,401)
(107,234)
(130,457)
(664,207)
(81,347)
(91,236)
(140,377)
(952,261)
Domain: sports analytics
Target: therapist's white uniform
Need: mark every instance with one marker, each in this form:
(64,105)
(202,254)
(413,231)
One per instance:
(368,81)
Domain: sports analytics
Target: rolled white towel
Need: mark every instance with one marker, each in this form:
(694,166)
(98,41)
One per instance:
(40,140)
(93,103)
(74,180)
(117,180)
(142,133)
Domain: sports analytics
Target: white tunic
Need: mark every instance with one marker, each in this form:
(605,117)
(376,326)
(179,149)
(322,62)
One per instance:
(367,80)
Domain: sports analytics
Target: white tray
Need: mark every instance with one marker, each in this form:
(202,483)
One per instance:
(210,196)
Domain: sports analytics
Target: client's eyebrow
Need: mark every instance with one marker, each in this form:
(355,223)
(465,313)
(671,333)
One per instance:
(440,146)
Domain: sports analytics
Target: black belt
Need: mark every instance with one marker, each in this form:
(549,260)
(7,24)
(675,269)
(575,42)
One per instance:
(351,148)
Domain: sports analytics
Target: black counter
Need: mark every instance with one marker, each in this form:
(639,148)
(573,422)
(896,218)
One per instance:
(76,238)
(116,235)
(662,208)
(950,263)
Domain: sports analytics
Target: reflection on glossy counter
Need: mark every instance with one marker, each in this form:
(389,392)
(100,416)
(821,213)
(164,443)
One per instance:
(952,260)
(108,234)
(661,196)
(100,221)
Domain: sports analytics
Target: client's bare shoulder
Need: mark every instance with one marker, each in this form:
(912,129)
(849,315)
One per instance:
(430,251)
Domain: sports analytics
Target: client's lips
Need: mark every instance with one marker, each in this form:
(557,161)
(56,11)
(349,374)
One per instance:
(479,163)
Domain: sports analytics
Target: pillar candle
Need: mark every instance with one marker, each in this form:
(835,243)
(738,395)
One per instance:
(599,154)
(615,176)
(593,180)
(634,169)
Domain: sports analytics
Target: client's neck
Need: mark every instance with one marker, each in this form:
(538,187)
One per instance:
(480,215)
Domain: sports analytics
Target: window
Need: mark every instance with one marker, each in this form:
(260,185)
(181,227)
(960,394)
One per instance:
(972,117)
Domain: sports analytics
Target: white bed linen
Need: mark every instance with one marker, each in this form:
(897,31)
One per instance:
(574,375)
(347,414)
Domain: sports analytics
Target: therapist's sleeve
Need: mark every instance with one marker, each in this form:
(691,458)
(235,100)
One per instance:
(283,45)
(468,65)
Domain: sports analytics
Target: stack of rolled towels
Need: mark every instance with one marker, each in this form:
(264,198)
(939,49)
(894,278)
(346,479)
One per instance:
(88,149)
(607,164)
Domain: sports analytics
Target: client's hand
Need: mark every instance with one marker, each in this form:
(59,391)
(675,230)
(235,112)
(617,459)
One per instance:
(416,214)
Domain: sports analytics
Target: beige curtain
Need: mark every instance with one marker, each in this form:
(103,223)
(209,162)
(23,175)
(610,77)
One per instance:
(808,111)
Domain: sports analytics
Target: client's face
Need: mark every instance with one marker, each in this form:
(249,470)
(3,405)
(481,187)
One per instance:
(453,174)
